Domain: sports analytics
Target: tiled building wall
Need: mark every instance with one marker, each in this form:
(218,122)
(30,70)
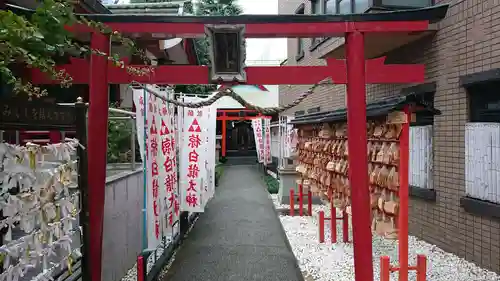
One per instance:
(468,41)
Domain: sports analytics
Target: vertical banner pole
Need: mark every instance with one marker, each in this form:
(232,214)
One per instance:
(145,178)
(358,160)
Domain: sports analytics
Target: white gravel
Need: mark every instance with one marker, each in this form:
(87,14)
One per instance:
(326,262)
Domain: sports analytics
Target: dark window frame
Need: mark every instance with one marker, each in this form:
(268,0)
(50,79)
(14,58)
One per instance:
(314,110)
(315,4)
(299,113)
(425,118)
(300,41)
(479,98)
(379,4)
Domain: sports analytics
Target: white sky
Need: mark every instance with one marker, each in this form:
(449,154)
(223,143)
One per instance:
(263,49)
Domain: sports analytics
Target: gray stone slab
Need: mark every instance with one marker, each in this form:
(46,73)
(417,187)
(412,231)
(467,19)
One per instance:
(239,237)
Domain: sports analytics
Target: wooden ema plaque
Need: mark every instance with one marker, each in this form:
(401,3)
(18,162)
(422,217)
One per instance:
(324,163)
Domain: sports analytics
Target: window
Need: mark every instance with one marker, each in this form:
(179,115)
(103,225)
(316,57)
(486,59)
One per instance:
(421,157)
(344,6)
(403,4)
(484,103)
(330,6)
(317,8)
(313,110)
(360,6)
(299,112)
(300,41)
(482,143)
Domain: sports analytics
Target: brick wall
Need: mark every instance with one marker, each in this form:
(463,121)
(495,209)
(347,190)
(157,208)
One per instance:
(467,42)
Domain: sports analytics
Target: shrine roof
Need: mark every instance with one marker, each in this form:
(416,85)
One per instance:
(432,14)
(375,109)
(173,8)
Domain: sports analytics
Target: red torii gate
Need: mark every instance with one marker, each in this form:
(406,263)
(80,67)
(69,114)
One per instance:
(355,72)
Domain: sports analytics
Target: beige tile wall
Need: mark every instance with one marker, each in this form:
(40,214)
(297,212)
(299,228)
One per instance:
(468,41)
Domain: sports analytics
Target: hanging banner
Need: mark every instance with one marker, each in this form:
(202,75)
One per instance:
(167,166)
(212,153)
(156,137)
(147,136)
(208,124)
(288,130)
(154,206)
(259,141)
(267,141)
(192,162)
(138,96)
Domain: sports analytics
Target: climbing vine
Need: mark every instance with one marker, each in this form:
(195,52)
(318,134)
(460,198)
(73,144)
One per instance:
(40,39)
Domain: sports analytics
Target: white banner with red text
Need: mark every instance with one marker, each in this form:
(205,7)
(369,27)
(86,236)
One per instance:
(156,137)
(259,140)
(267,140)
(196,163)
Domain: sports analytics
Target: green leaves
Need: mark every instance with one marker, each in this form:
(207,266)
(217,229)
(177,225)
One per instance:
(42,38)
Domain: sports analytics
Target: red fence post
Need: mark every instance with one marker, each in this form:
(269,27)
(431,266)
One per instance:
(421,267)
(292,200)
(301,200)
(345,226)
(309,203)
(321,226)
(333,221)
(385,268)
(140,268)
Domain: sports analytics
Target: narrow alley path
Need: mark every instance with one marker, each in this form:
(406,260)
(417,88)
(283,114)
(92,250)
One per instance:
(238,238)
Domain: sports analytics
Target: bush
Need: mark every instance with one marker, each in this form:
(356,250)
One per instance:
(272,184)
(218,173)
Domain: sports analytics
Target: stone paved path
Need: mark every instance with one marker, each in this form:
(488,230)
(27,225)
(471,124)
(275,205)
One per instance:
(238,238)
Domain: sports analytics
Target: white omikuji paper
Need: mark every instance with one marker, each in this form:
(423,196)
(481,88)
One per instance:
(145,106)
(259,141)
(267,141)
(191,161)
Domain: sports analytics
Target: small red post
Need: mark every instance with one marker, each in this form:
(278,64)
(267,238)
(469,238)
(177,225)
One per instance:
(333,221)
(140,268)
(309,203)
(301,200)
(421,267)
(385,268)
(345,226)
(224,129)
(292,200)
(321,226)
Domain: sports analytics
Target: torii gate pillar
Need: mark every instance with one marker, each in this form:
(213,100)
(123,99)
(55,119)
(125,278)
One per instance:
(97,144)
(358,174)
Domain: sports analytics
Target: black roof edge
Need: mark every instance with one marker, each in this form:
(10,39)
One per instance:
(375,109)
(469,80)
(432,14)
(95,6)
